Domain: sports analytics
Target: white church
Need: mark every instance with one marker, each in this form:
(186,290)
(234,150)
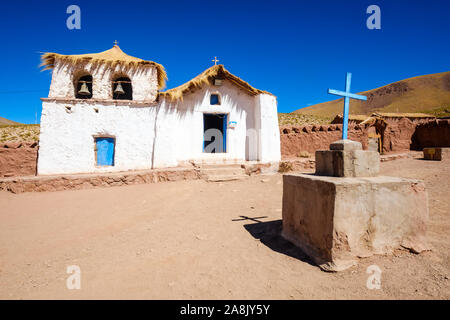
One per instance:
(105,112)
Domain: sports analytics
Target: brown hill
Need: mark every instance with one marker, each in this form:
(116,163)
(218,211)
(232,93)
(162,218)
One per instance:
(426,94)
(6,122)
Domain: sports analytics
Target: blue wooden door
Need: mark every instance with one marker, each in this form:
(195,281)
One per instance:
(105,151)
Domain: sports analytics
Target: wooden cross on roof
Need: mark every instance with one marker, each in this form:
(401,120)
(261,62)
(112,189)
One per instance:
(215,60)
(347,95)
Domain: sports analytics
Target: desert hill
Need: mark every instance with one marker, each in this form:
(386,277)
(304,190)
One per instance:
(425,94)
(6,122)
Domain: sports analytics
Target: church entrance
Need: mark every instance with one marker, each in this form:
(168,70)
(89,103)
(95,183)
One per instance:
(214,133)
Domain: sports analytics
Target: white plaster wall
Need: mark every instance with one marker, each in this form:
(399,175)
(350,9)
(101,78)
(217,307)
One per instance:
(269,139)
(144,80)
(180,126)
(158,135)
(67,138)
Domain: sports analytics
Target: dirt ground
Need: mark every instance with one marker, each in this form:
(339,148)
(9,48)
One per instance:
(187,240)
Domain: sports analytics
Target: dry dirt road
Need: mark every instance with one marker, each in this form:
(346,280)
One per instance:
(187,240)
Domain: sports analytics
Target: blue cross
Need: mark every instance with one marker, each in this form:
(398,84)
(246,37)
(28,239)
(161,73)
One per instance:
(347,95)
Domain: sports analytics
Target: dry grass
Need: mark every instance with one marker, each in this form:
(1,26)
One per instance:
(443,111)
(19,133)
(304,154)
(294,119)
(285,167)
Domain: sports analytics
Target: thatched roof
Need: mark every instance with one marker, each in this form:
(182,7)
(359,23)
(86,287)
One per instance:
(358,118)
(207,77)
(401,115)
(113,56)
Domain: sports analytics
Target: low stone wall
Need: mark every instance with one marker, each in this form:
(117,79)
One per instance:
(399,135)
(18,159)
(89,181)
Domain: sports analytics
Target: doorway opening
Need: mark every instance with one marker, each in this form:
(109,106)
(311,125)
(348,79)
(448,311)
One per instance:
(214,133)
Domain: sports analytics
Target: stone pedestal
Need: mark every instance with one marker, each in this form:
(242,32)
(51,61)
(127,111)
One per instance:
(345,211)
(347,159)
(336,220)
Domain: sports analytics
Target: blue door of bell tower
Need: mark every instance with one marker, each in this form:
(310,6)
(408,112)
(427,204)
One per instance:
(105,151)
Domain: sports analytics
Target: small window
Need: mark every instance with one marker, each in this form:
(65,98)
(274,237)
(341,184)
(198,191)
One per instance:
(83,87)
(104,151)
(214,99)
(122,89)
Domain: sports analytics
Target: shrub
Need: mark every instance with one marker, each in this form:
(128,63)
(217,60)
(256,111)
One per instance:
(304,154)
(285,167)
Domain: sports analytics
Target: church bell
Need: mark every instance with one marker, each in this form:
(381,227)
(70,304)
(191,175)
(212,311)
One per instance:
(84,89)
(119,89)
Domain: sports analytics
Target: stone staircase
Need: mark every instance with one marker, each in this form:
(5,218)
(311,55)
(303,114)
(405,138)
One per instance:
(221,172)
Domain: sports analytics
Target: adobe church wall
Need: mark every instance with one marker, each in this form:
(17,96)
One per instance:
(64,75)
(179,126)
(269,149)
(18,159)
(67,134)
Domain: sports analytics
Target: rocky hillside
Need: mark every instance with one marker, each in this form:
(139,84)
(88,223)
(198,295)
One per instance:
(425,94)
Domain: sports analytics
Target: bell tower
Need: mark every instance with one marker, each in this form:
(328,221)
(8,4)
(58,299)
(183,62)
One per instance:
(108,75)
(100,112)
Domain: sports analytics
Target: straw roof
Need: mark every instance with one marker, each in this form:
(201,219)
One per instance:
(351,117)
(207,77)
(402,115)
(113,56)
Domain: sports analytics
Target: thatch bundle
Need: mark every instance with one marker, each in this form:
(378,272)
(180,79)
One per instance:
(402,115)
(114,56)
(207,77)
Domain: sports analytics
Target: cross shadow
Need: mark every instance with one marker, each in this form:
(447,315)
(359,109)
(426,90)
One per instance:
(255,219)
(269,233)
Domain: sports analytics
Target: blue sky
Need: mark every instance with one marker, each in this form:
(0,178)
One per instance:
(294,49)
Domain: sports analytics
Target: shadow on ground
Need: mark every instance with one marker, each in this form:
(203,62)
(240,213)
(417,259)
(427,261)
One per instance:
(269,233)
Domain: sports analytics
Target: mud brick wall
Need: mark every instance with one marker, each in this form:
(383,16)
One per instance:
(18,159)
(431,134)
(295,139)
(399,135)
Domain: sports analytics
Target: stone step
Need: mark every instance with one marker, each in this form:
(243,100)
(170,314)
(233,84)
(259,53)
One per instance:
(212,165)
(223,178)
(222,171)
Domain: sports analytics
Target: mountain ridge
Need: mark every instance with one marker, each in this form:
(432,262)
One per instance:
(425,94)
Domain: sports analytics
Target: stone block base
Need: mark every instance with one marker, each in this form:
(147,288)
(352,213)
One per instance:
(336,220)
(436,153)
(355,163)
(347,159)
